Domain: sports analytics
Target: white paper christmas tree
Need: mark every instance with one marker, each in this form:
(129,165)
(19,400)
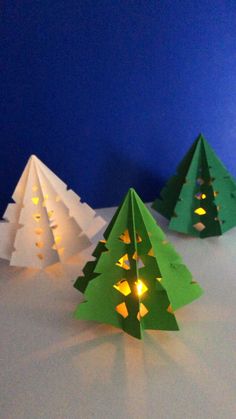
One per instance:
(47,223)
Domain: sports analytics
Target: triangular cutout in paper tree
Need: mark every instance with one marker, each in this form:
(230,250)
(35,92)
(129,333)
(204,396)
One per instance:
(200,200)
(137,280)
(47,223)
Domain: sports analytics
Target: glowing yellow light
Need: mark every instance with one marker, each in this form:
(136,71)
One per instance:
(50,213)
(123,262)
(200,211)
(37,217)
(58,239)
(200,195)
(123,287)
(170,309)
(138,238)
(141,287)
(35,200)
(159,279)
(151,252)
(142,311)
(122,310)
(125,237)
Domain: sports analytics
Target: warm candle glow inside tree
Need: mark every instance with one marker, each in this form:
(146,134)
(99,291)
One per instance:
(46,216)
(200,199)
(137,279)
(141,287)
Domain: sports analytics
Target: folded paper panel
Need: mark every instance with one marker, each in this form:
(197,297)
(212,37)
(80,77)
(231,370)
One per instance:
(40,229)
(132,282)
(200,199)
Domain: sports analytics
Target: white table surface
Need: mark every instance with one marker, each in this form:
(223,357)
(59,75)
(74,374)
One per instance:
(53,366)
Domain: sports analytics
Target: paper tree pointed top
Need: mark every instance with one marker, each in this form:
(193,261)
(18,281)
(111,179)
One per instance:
(200,199)
(47,223)
(137,279)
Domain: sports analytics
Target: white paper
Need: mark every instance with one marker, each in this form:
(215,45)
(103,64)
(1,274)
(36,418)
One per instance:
(47,223)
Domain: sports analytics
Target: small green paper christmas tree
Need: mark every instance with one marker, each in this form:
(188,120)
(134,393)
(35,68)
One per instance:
(200,200)
(137,280)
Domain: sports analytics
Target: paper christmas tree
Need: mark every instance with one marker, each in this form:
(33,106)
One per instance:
(137,280)
(200,200)
(47,223)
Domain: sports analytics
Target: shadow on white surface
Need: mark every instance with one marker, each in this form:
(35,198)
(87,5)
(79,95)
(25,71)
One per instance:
(56,367)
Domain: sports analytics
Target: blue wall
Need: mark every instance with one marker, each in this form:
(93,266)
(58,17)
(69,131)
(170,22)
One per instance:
(111,94)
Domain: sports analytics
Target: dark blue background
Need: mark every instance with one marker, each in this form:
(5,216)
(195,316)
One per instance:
(110,94)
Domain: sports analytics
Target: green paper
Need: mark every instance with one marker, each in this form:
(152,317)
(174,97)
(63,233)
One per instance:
(201,184)
(137,279)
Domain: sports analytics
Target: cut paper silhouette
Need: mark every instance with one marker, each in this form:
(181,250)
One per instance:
(47,223)
(137,280)
(200,199)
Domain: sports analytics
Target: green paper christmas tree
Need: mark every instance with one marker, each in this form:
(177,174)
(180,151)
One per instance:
(137,280)
(200,200)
